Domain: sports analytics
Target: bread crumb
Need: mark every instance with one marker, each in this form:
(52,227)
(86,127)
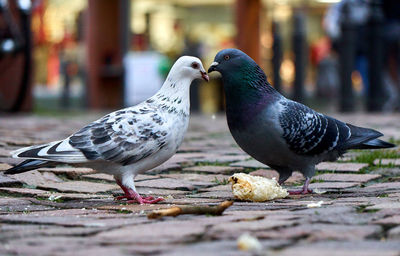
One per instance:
(315,205)
(256,188)
(246,242)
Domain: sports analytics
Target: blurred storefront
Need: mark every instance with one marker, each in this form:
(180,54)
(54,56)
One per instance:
(171,28)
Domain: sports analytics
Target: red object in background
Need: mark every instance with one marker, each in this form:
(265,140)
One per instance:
(39,37)
(53,66)
(319,50)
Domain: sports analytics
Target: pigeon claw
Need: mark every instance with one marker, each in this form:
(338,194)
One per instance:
(145,200)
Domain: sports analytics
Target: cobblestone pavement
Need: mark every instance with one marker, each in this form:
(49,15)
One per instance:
(71,211)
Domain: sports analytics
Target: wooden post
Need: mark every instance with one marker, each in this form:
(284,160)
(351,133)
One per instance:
(104,54)
(248,27)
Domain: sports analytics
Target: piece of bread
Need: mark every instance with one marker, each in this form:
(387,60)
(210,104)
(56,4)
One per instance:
(256,188)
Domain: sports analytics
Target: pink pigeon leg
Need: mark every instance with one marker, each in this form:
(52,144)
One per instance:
(305,189)
(133,197)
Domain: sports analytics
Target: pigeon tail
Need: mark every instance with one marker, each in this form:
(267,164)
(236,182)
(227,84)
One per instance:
(28,165)
(365,138)
(375,144)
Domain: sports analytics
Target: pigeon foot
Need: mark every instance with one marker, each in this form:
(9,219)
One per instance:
(134,197)
(305,190)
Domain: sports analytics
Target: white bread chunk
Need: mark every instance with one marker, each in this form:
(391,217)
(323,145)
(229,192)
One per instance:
(255,188)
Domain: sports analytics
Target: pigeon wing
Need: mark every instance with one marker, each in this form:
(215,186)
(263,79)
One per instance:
(308,132)
(123,137)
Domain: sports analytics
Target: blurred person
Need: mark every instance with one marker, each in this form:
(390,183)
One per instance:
(327,78)
(359,12)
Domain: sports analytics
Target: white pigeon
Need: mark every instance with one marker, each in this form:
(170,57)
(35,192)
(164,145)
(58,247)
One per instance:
(128,141)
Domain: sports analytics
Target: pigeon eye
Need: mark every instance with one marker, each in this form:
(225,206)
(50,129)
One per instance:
(195,65)
(226,57)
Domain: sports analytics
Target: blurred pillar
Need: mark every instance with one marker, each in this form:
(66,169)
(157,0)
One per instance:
(248,27)
(105,52)
(300,55)
(277,58)
(16,59)
(375,94)
(346,60)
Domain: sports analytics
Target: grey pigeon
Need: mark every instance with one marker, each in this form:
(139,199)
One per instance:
(128,141)
(284,134)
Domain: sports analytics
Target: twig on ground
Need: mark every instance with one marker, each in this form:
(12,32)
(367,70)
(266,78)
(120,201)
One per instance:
(191,209)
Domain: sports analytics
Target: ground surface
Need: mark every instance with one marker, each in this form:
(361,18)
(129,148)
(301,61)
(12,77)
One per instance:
(71,211)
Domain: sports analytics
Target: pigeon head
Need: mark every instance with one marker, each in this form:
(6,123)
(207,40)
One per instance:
(231,61)
(189,67)
(240,73)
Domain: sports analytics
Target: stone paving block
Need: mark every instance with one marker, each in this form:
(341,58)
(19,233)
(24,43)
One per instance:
(4,152)
(231,230)
(346,177)
(163,232)
(4,166)
(70,172)
(216,158)
(340,167)
(296,177)
(394,233)
(213,169)
(342,248)
(318,231)
(250,164)
(214,179)
(215,194)
(169,183)
(75,218)
(215,248)
(385,205)
(395,162)
(7,181)
(46,194)
(334,185)
(382,187)
(110,178)
(36,178)
(157,192)
(227,187)
(79,186)
(392,220)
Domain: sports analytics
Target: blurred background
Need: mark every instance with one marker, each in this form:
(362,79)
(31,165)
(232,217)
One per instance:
(105,54)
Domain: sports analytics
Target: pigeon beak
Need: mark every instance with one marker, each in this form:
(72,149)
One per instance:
(213,67)
(205,76)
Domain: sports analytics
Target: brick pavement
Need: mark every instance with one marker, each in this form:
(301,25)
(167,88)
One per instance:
(71,211)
